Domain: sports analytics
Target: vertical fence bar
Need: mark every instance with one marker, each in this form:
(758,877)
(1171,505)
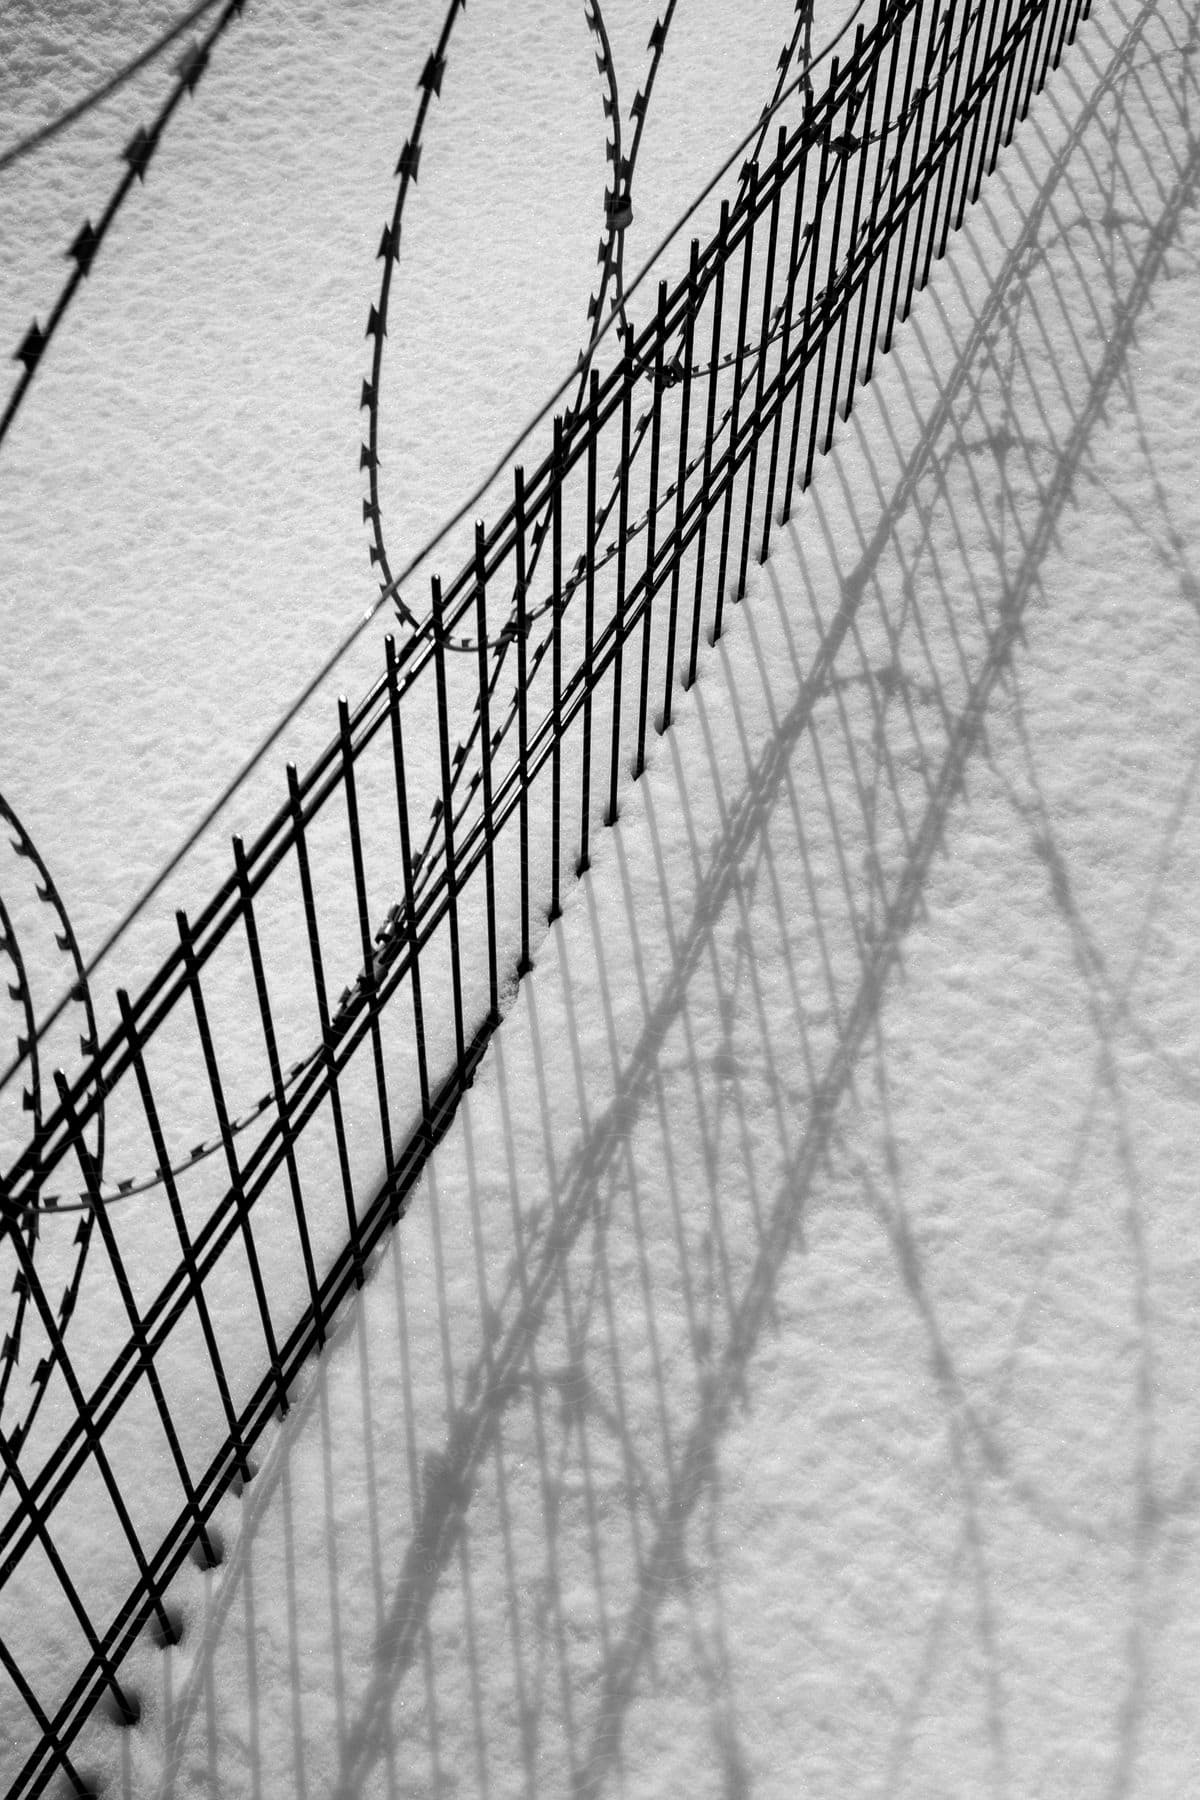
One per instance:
(936,233)
(714,371)
(906,197)
(485,738)
(681,472)
(873,275)
(1009,117)
(410,894)
(54,1336)
(859,146)
(126,1708)
(237,1186)
(168,1634)
(830,289)
(926,178)
(893,208)
(988,81)
(1058,36)
(784,351)
(195,1285)
(1010,41)
(1048,31)
(589,625)
(51,1742)
(526,962)
(614,760)
(246,903)
(1078,9)
(764,339)
(366,946)
(328,1056)
(556,670)
(447,811)
(808,335)
(656,392)
(965,133)
(1037,37)
(750,196)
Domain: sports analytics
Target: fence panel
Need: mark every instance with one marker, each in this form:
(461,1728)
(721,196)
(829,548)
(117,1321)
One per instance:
(271,1096)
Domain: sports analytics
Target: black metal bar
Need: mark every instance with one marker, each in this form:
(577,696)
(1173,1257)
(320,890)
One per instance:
(764,339)
(917,120)
(1051,25)
(681,474)
(890,236)
(964,128)
(614,758)
(366,946)
(485,738)
(785,347)
(37,1515)
(827,296)
(1008,119)
(277,1084)
(51,1744)
(126,1708)
(556,672)
(1035,62)
(998,98)
(195,1284)
(526,962)
(166,1420)
(1080,10)
(988,90)
(813,252)
(851,245)
(328,1049)
(651,523)
(410,896)
(919,240)
(949,136)
(1058,36)
(589,626)
(714,371)
(237,1187)
(873,275)
(739,357)
(447,810)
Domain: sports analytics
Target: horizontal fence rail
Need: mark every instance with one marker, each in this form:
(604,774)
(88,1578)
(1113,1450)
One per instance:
(240,1140)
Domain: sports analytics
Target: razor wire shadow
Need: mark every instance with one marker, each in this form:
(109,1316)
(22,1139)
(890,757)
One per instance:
(1002,64)
(879,719)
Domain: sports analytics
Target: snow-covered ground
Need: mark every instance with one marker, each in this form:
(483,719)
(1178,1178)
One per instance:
(784,1380)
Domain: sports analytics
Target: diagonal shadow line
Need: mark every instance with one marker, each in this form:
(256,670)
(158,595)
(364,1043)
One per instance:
(441,1509)
(452,1478)
(747,1324)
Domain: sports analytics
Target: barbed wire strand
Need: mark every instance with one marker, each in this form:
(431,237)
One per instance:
(45,133)
(370,612)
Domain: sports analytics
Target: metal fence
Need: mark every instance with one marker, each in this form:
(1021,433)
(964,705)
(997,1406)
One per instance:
(320,1019)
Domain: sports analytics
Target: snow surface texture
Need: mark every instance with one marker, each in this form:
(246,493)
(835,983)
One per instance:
(181,495)
(784,1381)
(772,1390)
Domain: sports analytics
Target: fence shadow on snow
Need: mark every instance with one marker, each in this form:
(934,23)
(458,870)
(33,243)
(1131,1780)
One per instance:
(545,666)
(554,1554)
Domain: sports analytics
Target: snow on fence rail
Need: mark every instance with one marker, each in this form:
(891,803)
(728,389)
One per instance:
(256,1120)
